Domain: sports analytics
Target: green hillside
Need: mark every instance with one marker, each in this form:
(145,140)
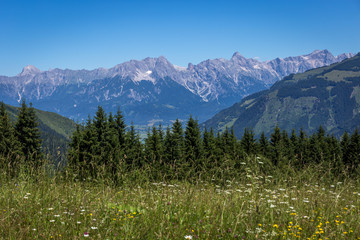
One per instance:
(327,96)
(55,130)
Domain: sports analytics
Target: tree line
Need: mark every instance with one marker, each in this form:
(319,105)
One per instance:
(180,151)
(104,144)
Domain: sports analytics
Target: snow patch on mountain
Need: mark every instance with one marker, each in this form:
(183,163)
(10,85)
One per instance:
(144,76)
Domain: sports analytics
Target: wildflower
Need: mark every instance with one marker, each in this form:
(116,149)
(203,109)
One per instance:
(78,222)
(52,220)
(50,209)
(188,237)
(86,234)
(93,228)
(56,215)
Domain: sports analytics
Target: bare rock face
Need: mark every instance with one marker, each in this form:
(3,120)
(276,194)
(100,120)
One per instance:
(150,84)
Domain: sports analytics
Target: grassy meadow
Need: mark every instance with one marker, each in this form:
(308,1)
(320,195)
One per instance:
(306,205)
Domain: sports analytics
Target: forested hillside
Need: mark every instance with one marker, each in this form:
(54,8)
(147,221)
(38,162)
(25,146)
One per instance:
(55,131)
(327,96)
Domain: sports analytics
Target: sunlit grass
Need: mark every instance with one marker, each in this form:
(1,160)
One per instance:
(253,207)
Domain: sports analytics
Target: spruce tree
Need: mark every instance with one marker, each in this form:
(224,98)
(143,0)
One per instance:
(193,148)
(177,141)
(9,145)
(276,146)
(354,150)
(113,138)
(133,149)
(263,145)
(344,143)
(301,149)
(103,137)
(153,146)
(120,127)
(88,158)
(248,142)
(168,147)
(28,134)
(209,148)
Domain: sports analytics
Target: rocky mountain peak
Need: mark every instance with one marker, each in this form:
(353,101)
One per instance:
(29,70)
(237,55)
(321,54)
(163,67)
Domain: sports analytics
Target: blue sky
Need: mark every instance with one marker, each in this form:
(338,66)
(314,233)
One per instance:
(86,34)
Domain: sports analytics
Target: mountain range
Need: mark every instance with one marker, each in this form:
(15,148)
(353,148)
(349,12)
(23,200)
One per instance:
(154,89)
(326,96)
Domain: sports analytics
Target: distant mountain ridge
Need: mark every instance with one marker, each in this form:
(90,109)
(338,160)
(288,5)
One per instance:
(327,96)
(153,89)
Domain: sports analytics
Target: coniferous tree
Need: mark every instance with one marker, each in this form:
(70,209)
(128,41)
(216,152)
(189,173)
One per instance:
(209,143)
(88,149)
(103,137)
(168,147)
(293,145)
(9,145)
(120,128)
(276,146)
(28,134)
(344,143)
(248,142)
(354,150)
(264,145)
(153,146)
(318,148)
(210,149)
(178,142)
(193,145)
(114,139)
(133,149)
(334,154)
(301,149)
(287,146)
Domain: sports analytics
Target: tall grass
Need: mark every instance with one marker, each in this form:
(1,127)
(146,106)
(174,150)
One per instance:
(311,204)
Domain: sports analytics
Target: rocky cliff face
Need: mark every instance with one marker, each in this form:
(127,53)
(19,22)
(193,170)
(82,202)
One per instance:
(153,88)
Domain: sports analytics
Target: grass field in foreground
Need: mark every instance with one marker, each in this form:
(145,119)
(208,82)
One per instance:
(257,207)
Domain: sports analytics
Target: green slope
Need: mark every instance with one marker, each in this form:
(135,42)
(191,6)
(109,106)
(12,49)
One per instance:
(327,96)
(55,131)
